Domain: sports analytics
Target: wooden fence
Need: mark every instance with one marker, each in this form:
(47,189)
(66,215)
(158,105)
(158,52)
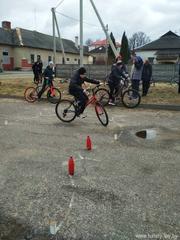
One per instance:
(161,72)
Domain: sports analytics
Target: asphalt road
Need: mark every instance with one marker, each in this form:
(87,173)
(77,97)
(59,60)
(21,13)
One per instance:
(125,188)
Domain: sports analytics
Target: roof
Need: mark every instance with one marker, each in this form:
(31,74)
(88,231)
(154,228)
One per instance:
(168,52)
(100,49)
(34,39)
(102,43)
(169,40)
(99,43)
(6,37)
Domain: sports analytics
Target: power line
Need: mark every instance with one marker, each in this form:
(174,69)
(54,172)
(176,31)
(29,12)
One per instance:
(59,3)
(76,20)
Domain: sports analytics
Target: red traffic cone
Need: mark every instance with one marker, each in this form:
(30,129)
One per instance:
(71,166)
(88,143)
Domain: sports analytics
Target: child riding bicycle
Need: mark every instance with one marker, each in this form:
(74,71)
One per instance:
(117,72)
(75,88)
(48,75)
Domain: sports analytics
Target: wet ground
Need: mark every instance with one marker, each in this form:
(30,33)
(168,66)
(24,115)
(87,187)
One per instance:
(127,187)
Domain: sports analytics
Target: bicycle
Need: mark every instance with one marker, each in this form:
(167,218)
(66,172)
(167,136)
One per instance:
(53,94)
(66,110)
(129,97)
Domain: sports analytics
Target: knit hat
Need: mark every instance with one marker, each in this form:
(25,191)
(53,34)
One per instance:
(82,70)
(51,63)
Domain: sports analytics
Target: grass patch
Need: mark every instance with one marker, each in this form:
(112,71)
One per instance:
(160,93)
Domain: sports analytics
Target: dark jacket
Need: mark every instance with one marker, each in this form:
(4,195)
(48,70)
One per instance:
(48,73)
(77,81)
(147,72)
(116,74)
(37,67)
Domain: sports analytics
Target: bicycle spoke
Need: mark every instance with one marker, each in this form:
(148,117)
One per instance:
(65,110)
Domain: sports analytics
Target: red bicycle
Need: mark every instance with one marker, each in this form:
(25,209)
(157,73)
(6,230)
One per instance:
(53,94)
(66,110)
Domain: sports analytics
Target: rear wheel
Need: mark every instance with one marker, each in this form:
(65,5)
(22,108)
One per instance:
(131,98)
(30,94)
(101,114)
(54,95)
(65,110)
(102,96)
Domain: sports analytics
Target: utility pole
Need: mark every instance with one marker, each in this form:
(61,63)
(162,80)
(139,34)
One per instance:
(106,50)
(104,29)
(54,37)
(179,76)
(81,33)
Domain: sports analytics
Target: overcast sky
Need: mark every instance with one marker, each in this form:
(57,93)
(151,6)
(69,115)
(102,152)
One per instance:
(153,17)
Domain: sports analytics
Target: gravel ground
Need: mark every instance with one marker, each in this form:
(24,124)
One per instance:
(125,188)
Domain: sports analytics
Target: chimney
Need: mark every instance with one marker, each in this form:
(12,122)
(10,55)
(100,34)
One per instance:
(6,25)
(76,42)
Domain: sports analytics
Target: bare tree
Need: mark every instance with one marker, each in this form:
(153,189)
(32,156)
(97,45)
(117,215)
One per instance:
(138,39)
(89,41)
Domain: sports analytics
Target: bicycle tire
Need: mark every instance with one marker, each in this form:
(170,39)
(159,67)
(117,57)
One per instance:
(101,114)
(131,98)
(65,110)
(30,94)
(102,95)
(56,98)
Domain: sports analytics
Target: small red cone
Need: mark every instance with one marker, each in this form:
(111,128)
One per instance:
(88,143)
(71,166)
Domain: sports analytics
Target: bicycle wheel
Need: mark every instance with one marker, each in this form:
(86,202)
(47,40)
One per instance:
(101,114)
(102,96)
(30,94)
(55,96)
(131,98)
(65,110)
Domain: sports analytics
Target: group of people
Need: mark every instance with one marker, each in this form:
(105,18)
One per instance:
(140,71)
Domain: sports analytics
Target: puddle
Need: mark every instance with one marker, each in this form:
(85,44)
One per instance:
(147,134)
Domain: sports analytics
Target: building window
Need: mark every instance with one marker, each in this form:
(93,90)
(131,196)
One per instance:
(32,58)
(49,58)
(6,58)
(151,59)
(75,59)
(38,57)
(67,59)
(5,53)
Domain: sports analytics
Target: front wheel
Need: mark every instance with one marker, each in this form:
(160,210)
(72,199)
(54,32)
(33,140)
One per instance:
(53,95)
(65,110)
(101,114)
(131,98)
(30,94)
(102,96)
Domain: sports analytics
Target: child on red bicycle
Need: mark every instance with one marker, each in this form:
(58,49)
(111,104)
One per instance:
(75,88)
(48,75)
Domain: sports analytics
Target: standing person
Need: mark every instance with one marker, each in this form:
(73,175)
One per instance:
(75,88)
(117,72)
(146,77)
(48,75)
(1,65)
(136,72)
(37,70)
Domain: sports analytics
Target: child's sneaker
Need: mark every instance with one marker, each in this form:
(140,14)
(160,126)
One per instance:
(111,103)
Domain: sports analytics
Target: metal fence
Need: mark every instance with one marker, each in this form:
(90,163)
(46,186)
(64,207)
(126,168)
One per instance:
(161,72)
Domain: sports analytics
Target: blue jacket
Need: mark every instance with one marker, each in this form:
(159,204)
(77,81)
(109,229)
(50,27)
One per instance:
(137,69)
(48,73)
